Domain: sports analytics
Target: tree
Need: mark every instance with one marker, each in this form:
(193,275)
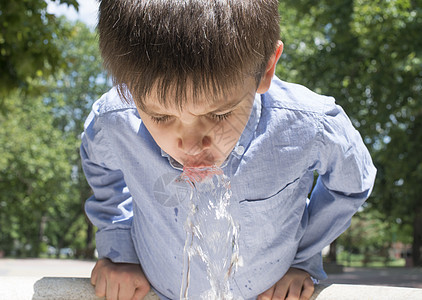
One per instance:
(38,209)
(370,236)
(368,55)
(27,48)
(33,172)
(70,94)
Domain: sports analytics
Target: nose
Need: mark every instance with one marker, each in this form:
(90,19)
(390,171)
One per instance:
(193,142)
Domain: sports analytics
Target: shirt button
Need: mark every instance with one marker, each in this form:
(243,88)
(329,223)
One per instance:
(240,150)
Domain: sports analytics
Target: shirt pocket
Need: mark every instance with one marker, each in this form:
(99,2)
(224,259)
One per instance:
(269,202)
(266,221)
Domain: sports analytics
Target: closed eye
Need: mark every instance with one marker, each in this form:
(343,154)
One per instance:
(221,117)
(161,119)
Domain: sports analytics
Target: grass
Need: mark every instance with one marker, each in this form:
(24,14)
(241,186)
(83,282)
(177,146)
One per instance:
(356,260)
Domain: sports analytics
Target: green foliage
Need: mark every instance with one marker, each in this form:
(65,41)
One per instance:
(371,237)
(43,187)
(73,89)
(33,171)
(70,94)
(27,42)
(368,55)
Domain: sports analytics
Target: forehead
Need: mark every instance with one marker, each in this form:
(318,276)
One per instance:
(174,99)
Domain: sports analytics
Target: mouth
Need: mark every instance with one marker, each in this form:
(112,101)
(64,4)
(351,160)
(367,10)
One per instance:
(203,159)
(198,174)
(197,168)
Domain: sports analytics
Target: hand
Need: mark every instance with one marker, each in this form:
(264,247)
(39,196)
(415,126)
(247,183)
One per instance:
(295,285)
(119,280)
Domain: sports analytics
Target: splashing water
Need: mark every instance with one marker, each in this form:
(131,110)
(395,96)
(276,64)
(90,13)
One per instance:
(211,232)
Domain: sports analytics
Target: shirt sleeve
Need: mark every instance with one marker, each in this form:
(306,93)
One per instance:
(345,181)
(110,207)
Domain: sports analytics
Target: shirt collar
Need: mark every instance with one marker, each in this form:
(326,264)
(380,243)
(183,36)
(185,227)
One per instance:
(174,163)
(250,128)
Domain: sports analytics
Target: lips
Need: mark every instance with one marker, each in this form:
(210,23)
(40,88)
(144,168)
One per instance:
(197,168)
(199,174)
(203,159)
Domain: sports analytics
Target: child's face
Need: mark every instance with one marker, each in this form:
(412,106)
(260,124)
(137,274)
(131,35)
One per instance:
(203,134)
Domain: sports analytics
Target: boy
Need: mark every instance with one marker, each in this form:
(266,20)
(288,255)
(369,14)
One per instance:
(195,87)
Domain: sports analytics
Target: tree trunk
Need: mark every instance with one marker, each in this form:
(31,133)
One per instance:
(90,248)
(332,255)
(417,238)
(36,247)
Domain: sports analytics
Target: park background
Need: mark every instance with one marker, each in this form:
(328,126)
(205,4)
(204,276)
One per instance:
(365,53)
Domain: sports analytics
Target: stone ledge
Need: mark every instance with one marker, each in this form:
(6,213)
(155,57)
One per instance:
(364,292)
(68,288)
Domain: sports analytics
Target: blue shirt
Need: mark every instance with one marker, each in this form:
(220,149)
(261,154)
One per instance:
(291,134)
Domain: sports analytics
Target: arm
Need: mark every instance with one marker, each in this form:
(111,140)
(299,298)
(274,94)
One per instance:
(110,207)
(117,274)
(346,178)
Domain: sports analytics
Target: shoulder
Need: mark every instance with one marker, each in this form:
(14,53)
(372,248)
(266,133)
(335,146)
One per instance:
(111,125)
(111,110)
(112,102)
(111,116)
(295,97)
(292,109)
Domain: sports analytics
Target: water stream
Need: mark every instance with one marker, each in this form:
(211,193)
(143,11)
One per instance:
(211,232)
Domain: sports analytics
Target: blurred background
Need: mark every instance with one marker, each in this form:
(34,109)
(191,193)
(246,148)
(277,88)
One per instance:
(365,53)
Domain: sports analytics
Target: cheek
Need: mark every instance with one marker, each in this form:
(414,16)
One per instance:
(225,136)
(239,122)
(161,136)
(235,126)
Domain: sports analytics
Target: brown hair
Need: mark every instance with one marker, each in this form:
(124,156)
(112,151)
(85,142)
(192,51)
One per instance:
(210,44)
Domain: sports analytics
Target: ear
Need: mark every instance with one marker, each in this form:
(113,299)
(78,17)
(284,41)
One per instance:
(265,83)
